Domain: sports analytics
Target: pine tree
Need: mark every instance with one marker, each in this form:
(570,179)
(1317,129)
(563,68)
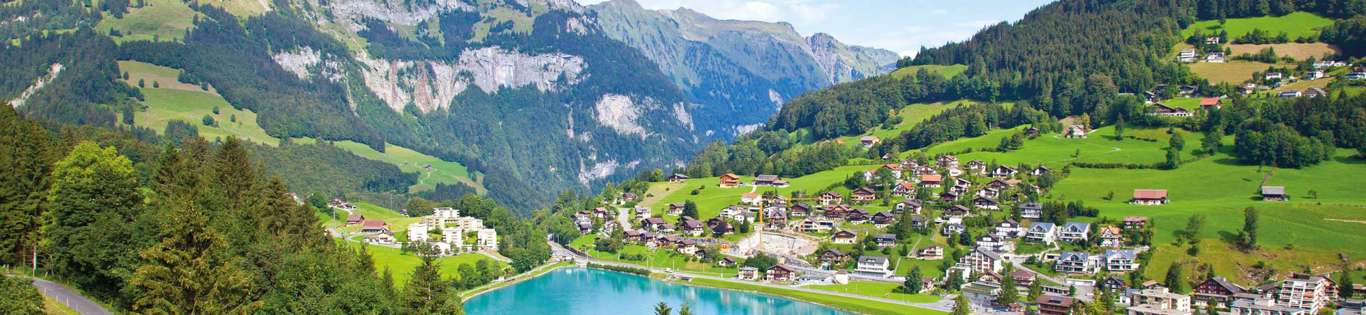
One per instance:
(190,270)
(961,306)
(26,160)
(1176,140)
(93,200)
(1345,281)
(1176,279)
(1009,294)
(913,283)
(1249,233)
(426,293)
(663,309)
(1119,128)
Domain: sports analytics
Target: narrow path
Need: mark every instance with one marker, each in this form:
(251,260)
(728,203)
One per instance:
(938,306)
(69,297)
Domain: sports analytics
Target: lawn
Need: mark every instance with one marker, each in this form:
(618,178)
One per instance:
(1189,103)
(860,306)
(401,265)
(1295,25)
(1234,72)
(948,71)
(443,172)
(1055,151)
(398,223)
(658,258)
(876,289)
(159,19)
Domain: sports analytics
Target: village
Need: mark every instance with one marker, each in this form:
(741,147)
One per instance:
(443,233)
(997,235)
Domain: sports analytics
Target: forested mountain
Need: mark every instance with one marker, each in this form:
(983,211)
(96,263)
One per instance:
(536,96)
(1073,58)
(736,73)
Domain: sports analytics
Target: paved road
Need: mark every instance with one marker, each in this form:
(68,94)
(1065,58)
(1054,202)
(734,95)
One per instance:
(69,297)
(944,305)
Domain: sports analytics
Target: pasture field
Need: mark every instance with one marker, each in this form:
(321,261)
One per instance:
(948,71)
(1298,51)
(1056,151)
(712,198)
(164,20)
(1295,25)
(1232,72)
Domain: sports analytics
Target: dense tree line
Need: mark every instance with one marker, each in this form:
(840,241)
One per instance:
(322,168)
(964,121)
(1289,133)
(1219,9)
(84,90)
(854,107)
(1348,34)
(40,17)
(194,229)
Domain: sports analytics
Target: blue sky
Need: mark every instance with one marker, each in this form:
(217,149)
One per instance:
(902,26)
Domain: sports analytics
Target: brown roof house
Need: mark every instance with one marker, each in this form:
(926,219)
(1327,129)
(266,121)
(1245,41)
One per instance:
(1149,197)
(730,180)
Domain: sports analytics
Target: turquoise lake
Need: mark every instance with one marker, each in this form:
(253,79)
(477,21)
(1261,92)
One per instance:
(590,291)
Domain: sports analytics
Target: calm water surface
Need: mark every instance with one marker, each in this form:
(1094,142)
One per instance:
(590,291)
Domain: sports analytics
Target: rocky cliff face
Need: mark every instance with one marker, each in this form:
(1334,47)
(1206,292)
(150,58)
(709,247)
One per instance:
(736,73)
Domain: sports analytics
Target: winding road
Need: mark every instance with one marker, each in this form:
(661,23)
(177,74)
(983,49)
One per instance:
(944,305)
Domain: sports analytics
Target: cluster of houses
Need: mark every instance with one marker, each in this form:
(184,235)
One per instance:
(1301,294)
(1190,55)
(453,230)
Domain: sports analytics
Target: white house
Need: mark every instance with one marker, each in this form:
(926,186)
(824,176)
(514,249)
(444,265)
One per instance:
(874,266)
(1075,262)
(1075,232)
(417,232)
(1121,260)
(1042,232)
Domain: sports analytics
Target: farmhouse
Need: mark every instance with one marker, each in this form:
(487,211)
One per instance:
(957,211)
(1168,111)
(769,180)
(1004,171)
(904,190)
(692,226)
(931,253)
(834,256)
(1149,197)
(868,141)
(977,167)
(726,262)
(914,206)
(1274,193)
(677,178)
(1290,94)
(676,208)
(1216,57)
(1075,132)
(1054,304)
(1135,222)
(1111,236)
(729,180)
(1209,103)
(657,225)
(354,218)
(374,227)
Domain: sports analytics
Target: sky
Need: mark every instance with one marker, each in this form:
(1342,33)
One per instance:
(902,26)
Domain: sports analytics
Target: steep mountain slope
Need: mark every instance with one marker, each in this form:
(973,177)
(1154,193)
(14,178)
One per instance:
(736,73)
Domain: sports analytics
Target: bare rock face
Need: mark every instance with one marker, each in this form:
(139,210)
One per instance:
(432,84)
(620,113)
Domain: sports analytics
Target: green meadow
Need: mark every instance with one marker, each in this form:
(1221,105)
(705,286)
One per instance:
(159,19)
(1054,150)
(876,289)
(948,71)
(1295,25)
(412,161)
(401,265)
(860,306)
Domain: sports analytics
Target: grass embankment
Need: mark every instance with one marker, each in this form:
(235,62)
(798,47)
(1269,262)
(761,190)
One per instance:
(168,100)
(876,289)
(53,307)
(855,305)
(401,265)
(1295,25)
(471,293)
(657,258)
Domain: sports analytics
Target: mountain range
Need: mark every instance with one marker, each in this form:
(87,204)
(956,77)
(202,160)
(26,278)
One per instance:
(535,95)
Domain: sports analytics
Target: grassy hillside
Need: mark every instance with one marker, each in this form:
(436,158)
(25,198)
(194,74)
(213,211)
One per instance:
(948,71)
(911,115)
(413,161)
(159,19)
(1055,151)
(1233,72)
(402,265)
(1295,25)
(1298,51)
(173,100)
